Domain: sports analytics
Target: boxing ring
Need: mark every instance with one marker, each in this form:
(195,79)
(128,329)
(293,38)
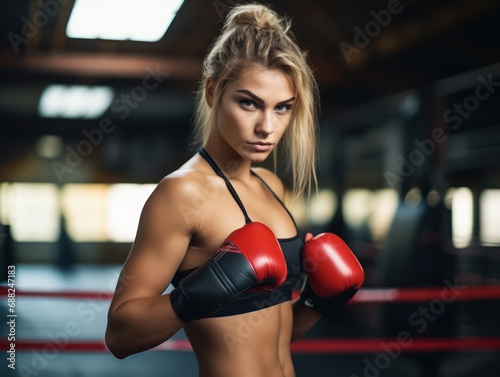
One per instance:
(365,296)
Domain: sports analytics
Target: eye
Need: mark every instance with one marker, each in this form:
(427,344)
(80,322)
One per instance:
(246,103)
(283,108)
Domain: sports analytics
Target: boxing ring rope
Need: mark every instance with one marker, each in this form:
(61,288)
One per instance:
(364,295)
(307,345)
(303,346)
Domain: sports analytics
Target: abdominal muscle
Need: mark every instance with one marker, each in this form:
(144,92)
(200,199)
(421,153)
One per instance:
(254,344)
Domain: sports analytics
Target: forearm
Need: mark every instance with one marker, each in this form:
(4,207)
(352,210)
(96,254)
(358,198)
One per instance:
(304,318)
(140,324)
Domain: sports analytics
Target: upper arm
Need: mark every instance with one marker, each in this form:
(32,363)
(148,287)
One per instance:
(163,236)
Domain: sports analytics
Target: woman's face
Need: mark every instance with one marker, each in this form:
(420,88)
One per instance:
(255,111)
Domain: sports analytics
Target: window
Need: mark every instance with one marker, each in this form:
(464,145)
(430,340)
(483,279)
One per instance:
(461,216)
(32,210)
(489,210)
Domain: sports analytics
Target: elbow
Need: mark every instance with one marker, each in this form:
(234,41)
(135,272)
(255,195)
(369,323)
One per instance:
(114,346)
(295,336)
(117,353)
(114,340)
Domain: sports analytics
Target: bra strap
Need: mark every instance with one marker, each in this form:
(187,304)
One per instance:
(277,198)
(218,171)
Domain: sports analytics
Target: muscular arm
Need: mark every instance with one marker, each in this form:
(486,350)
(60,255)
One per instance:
(140,317)
(141,324)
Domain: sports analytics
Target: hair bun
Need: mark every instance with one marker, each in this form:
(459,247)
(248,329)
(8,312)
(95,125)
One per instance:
(253,15)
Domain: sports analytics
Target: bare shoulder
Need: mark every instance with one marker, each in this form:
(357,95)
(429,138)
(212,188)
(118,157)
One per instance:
(180,189)
(180,184)
(272,180)
(187,179)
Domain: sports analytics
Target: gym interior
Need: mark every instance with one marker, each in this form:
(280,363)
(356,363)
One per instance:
(96,104)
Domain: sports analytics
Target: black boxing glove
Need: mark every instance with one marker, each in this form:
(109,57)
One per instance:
(250,257)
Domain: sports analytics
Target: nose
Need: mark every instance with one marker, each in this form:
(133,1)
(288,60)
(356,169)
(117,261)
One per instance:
(264,126)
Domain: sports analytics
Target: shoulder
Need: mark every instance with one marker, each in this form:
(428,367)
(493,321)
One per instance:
(180,193)
(190,178)
(180,183)
(186,185)
(272,180)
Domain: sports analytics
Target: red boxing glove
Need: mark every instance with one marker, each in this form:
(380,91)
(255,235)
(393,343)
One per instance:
(263,252)
(249,258)
(334,274)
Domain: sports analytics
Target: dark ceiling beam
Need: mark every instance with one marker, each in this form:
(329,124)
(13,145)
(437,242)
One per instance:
(318,28)
(394,40)
(103,65)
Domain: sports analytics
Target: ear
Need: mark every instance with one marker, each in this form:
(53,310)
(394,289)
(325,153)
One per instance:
(209,91)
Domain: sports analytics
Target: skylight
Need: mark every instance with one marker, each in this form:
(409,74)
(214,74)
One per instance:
(145,20)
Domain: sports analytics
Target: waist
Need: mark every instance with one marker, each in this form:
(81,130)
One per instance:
(245,366)
(247,343)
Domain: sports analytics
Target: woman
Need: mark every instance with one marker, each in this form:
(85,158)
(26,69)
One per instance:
(257,93)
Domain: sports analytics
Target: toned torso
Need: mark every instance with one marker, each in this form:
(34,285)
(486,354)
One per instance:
(250,344)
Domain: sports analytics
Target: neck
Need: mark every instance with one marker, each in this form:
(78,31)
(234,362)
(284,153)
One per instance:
(228,160)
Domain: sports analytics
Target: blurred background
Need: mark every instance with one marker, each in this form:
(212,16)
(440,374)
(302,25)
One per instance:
(96,104)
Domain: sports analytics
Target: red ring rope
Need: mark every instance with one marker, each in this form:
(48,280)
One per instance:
(367,345)
(364,296)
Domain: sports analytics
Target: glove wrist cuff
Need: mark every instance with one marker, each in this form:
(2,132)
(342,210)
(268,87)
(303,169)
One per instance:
(326,305)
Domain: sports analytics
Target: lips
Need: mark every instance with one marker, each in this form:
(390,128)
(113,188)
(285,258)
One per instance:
(261,146)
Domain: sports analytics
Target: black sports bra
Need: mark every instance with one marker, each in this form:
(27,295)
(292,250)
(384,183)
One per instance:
(248,301)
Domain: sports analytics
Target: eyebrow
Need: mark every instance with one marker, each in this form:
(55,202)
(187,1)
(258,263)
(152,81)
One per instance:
(260,100)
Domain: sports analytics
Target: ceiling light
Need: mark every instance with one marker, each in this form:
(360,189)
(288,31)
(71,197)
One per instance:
(49,146)
(77,101)
(146,20)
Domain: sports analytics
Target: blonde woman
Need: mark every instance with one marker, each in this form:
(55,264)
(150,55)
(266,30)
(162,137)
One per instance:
(217,228)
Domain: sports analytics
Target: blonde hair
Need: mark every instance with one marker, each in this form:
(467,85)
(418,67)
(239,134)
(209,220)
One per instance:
(254,34)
